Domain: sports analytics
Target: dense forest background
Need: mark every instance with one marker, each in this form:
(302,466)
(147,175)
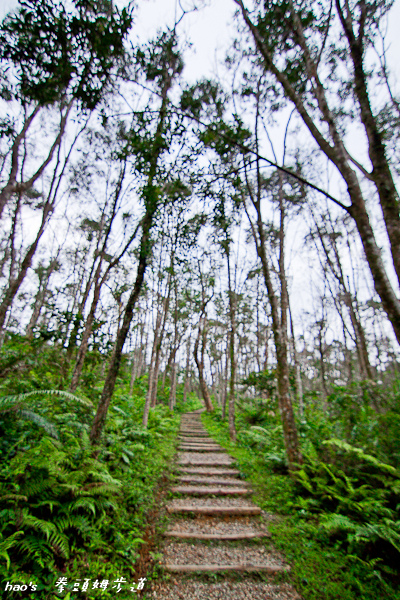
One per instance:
(234,240)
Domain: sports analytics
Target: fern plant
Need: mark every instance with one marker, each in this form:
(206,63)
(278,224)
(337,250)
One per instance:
(61,490)
(358,503)
(17,404)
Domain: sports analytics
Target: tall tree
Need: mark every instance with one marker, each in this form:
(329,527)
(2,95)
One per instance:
(306,47)
(17,276)
(59,55)
(223,223)
(162,63)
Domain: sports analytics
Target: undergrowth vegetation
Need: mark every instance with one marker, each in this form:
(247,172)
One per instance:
(340,524)
(65,510)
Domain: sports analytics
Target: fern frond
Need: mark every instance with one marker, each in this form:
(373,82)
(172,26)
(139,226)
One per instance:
(335,523)
(101,489)
(302,477)
(36,548)
(388,531)
(84,503)
(8,543)
(59,543)
(7,515)
(36,485)
(41,525)
(106,503)
(362,455)
(78,522)
(259,429)
(14,498)
(7,402)
(50,503)
(49,427)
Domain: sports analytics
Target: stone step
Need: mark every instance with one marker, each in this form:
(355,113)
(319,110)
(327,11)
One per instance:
(196,437)
(216,528)
(189,454)
(233,567)
(212,480)
(185,558)
(198,448)
(210,471)
(197,433)
(190,431)
(210,490)
(229,589)
(240,535)
(199,462)
(199,442)
(228,511)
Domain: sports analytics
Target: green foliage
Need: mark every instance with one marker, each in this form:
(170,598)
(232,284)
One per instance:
(63,509)
(340,522)
(358,500)
(57,51)
(264,381)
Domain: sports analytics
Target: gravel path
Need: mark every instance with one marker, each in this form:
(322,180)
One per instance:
(200,554)
(200,502)
(215,525)
(220,471)
(213,480)
(189,552)
(225,590)
(206,457)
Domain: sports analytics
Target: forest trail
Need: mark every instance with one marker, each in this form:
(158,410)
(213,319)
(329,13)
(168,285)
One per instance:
(217,530)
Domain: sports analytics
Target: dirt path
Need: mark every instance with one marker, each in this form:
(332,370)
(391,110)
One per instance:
(216,530)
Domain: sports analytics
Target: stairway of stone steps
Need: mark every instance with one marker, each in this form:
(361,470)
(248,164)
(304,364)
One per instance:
(216,529)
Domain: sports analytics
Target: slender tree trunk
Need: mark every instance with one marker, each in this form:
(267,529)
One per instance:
(40,298)
(381,173)
(154,383)
(172,391)
(200,362)
(232,354)
(292,447)
(83,348)
(321,348)
(16,283)
(151,200)
(226,371)
(115,360)
(152,361)
(162,314)
(10,188)
(337,270)
(186,381)
(299,384)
